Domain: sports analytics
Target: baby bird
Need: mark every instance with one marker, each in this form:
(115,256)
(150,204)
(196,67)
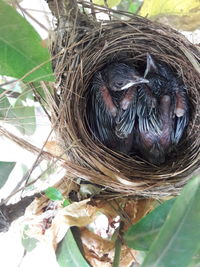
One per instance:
(162,111)
(111,107)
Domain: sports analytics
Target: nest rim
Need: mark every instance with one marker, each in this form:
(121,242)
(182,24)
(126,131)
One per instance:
(111,43)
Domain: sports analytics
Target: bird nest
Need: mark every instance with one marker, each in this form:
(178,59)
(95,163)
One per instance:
(124,41)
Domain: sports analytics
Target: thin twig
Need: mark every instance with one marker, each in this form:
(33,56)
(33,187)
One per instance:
(118,246)
(23,10)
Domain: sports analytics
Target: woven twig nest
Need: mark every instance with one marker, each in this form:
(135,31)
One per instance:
(128,42)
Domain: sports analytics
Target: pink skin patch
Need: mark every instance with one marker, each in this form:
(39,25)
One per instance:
(128,98)
(108,101)
(180,105)
(148,139)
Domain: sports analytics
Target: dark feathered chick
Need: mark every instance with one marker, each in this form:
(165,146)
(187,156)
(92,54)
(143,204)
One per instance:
(162,111)
(111,107)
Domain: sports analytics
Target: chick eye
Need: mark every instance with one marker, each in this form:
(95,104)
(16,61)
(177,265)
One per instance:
(119,84)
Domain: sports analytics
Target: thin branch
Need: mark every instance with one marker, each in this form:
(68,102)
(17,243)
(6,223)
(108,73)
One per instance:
(13,94)
(38,159)
(93,10)
(8,82)
(104,9)
(68,14)
(12,212)
(23,10)
(76,170)
(37,10)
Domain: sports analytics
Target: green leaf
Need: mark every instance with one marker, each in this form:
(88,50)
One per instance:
(109,3)
(20,115)
(25,117)
(134,6)
(53,193)
(5,107)
(5,170)
(28,243)
(68,253)
(141,235)
(66,203)
(21,48)
(179,237)
(26,92)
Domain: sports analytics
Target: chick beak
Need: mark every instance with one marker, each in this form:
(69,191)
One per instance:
(136,80)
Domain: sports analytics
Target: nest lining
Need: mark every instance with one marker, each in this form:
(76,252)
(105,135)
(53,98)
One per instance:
(127,42)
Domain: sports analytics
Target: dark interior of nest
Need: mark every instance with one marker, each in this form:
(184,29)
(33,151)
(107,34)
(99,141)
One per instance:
(129,43)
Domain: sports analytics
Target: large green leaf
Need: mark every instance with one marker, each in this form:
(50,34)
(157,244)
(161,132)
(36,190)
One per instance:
(5,170)
(179,238)
(21,48)
(68,253)
(141,235)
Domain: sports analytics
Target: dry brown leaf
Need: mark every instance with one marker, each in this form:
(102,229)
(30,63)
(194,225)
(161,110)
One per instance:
(100,252)
(96,244)
(137,209)
(110,208)
(60,219)
(130,211)
(127,257)
(48,222)
(79,213)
